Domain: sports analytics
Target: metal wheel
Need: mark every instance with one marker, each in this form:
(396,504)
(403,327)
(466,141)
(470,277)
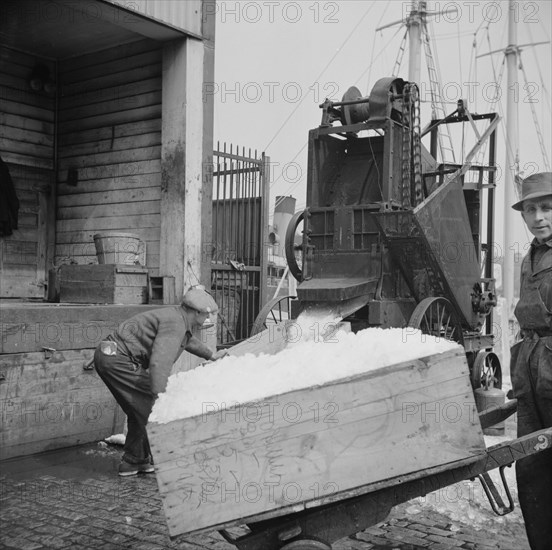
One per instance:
(436,316)
(275,311)
(486,370)
(291,248)
(306,544)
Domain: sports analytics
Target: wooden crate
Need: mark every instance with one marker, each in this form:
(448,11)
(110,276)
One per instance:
(104,284)
(312,446)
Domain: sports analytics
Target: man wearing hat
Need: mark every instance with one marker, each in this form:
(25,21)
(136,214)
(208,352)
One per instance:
(136,360)
(531,359)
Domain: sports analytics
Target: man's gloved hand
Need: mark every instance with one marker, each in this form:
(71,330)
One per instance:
(219,354)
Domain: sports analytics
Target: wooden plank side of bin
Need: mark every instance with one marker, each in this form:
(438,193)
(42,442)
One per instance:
(309,444)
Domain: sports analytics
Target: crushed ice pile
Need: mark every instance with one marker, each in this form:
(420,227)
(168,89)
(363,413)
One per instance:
(304,362)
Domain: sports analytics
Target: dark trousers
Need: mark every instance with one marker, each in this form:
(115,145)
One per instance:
(130,385)
(534,473)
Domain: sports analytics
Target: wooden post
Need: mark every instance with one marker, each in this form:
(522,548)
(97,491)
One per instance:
(184,206)
(208,31)
(173,163)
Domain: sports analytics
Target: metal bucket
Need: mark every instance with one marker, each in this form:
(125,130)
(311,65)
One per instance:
(118,248)
(489,398)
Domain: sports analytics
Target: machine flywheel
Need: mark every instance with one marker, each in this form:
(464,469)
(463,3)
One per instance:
(291,248)
(436,316)
(275,311)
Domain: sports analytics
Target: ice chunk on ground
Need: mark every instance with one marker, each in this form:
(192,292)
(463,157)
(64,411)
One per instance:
(116,439)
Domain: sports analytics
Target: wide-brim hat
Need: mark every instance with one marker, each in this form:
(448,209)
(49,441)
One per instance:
(200,300)
(533,187)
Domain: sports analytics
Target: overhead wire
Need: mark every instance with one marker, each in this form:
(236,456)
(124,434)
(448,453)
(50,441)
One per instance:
(463,148)
(377,56)
(507,139)
(542,83)
(374,44)
(536,57)
(295,184)
(338,51)
(499,108)
(535,119)
(474,73)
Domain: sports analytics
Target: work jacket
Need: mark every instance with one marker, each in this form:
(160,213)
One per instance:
(155,339)
(534,314)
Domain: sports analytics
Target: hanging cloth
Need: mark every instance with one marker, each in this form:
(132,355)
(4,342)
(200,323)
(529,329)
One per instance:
(9,203)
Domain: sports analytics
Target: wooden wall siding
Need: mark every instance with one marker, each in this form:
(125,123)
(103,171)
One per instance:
(110,132)
(26,116)
(27,146)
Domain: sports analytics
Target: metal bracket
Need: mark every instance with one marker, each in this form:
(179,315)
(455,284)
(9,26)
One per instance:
(238,266)
(484,296)
(285,534)
(495,500)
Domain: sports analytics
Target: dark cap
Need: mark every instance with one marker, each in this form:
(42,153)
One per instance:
(199,299)
(533,187)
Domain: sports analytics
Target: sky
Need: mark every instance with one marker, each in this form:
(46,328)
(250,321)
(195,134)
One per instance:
(276,61)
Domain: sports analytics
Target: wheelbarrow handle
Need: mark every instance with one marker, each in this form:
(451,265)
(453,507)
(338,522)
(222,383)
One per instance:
(89,365)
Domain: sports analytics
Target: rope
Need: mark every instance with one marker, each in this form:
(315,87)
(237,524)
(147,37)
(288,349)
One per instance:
(535,120)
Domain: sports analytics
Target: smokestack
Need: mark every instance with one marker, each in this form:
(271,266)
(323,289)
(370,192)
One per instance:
(283,212)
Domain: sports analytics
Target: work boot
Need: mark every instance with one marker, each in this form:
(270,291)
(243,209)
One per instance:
(128,469)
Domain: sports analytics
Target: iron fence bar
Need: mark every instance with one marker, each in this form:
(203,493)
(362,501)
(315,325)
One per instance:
(223,241)
(239,221)
(250,287)
(233,232)
(230,268)
(249,217)
(217,216)
(240,171)
(245,276)
(264,182)
(235,156)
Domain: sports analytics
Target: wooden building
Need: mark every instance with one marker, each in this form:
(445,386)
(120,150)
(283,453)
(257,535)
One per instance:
(105,126)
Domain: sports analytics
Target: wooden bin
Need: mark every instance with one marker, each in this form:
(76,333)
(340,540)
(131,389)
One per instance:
(49,402)
(310,446)
(103,284)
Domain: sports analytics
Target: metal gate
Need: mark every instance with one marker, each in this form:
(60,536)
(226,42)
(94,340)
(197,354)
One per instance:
(240,233)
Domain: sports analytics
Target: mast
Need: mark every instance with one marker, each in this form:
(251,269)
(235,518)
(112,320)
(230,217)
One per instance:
(414,24)
(512,159)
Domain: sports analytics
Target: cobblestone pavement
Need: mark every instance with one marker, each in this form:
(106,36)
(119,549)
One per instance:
(74,499)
